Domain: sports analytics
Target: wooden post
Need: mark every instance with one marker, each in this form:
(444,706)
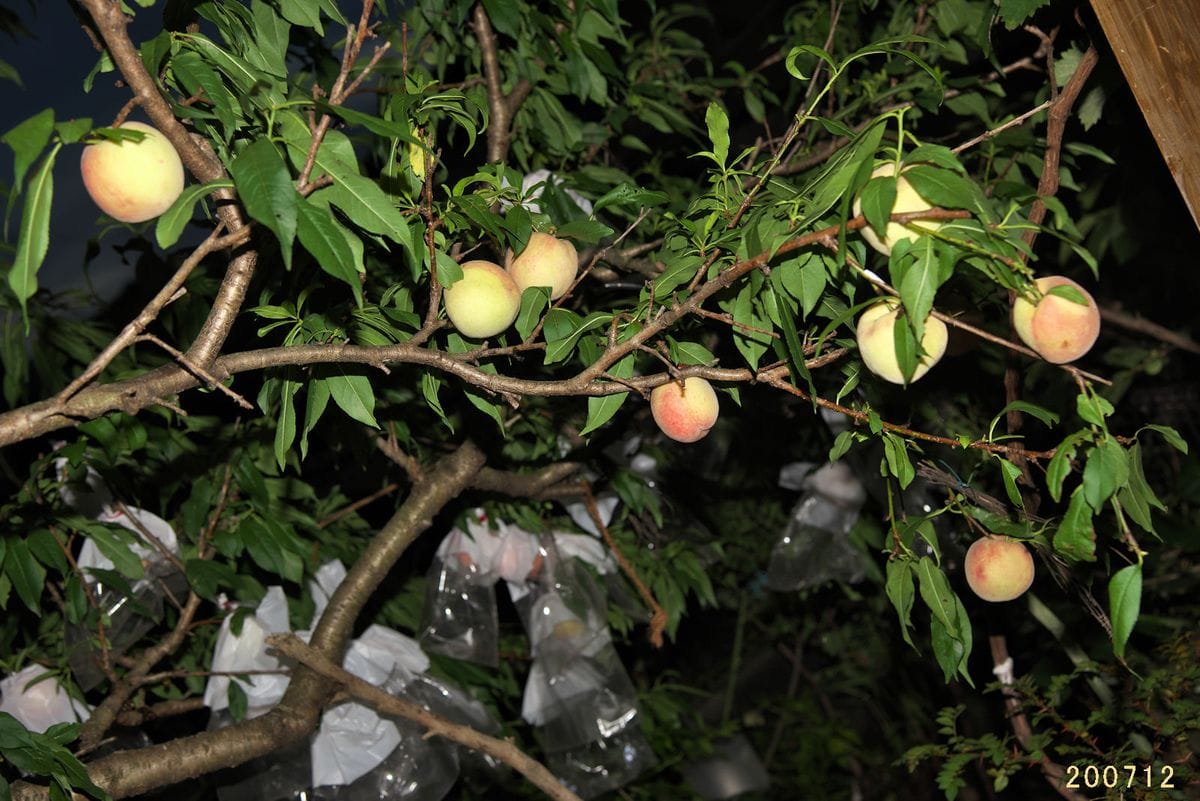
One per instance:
(1157,43)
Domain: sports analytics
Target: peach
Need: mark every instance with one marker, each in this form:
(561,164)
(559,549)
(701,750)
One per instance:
(545,261)
(484,302)
(1060,330)
(998,568)
(133,181)
(686,410)
(907,200)
(876,343)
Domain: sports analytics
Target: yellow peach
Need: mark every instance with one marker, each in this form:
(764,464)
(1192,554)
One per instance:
(685,411)
(1059,329)
(133,181)
(877,345)
(545,261)
(998,568)
(484,301)
(907,200)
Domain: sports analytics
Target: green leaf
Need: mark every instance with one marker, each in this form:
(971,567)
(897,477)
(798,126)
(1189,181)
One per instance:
(804,278)
(943,188)
(327,241)
(315,400)
(34,236)
(918,274)
(901,591)
(272,547)
(1170,435)
(369,207)
(936,592)
(690,353)
(353,394)
(601,409)
(285,424)
(430,383)
(718,132)
(1136,497)
(629,195)
(505,16)
(170,225)
(877,199)
(1010,473)
(563,329)
(26,575)
(27,140)
(235,696)
(195,75)
(1106,470)
(896,452)
(1015,12)
(1076,538)
(1093,408)
(265,188)
(1124,604)
(1059,466)
(208,577)
(117,544)
(534,301)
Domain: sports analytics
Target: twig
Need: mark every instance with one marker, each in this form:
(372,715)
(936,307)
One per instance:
(291,646)
(658,615)
(198,371)
(999,129)
(1002,662)
(360,503)
(1141,325)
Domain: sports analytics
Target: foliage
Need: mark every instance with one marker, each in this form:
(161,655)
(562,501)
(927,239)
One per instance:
(347,171)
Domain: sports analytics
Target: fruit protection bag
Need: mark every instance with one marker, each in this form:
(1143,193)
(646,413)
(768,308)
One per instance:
(459,617)
(133,603)
(815,546)
(38,701)
(578,694)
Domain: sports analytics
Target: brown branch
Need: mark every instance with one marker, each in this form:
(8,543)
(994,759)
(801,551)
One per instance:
(502,108)
(133,772)
(658,615)
(200,160)
(1054,773)
(382,492)
(137,325)
(1020,119)
(1060,112)
(1131,322)
(291,646)
(140,716)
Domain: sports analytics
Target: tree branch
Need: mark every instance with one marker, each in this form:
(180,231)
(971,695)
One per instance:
(502,108)
(290,645)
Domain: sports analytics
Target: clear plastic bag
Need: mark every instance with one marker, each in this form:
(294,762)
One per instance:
(129,617)
(459,618)
(732,769)
(603,765)
(815,547)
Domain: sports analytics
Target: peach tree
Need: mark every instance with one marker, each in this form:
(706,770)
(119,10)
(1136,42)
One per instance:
(433,257)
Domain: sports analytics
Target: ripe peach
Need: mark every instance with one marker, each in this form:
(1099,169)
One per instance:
(133,181)
(545,261)
(484,301)
(685,412)
(998,568)
(1060,330)
(907,200)
(876,343)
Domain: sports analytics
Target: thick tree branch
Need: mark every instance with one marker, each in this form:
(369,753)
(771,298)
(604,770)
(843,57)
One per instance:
(290,645)
(502,108)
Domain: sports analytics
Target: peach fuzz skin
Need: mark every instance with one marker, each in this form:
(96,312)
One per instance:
(133,181)
(876,342)
(545,261)
(685,413)
(484,302)
(1059,329)
(998,568)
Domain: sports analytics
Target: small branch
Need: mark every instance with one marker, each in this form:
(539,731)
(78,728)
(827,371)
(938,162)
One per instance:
(1055,773)
(291,646)
(1013,123)
(140,716)
(658,615)
(360,503)
(1141,325)
(198,371)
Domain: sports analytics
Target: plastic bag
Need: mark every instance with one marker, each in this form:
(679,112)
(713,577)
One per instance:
(459,617)
(815,547)
(37,702)
(246,651)
(732,769)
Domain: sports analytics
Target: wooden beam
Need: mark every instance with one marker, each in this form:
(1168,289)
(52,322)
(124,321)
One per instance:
(1157,43)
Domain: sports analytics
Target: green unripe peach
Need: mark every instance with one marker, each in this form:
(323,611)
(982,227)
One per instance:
(877,344)
(907,200)
(545,261)
(484,302)
(686,410)
(133,181)
(998,568)
(1059,329)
